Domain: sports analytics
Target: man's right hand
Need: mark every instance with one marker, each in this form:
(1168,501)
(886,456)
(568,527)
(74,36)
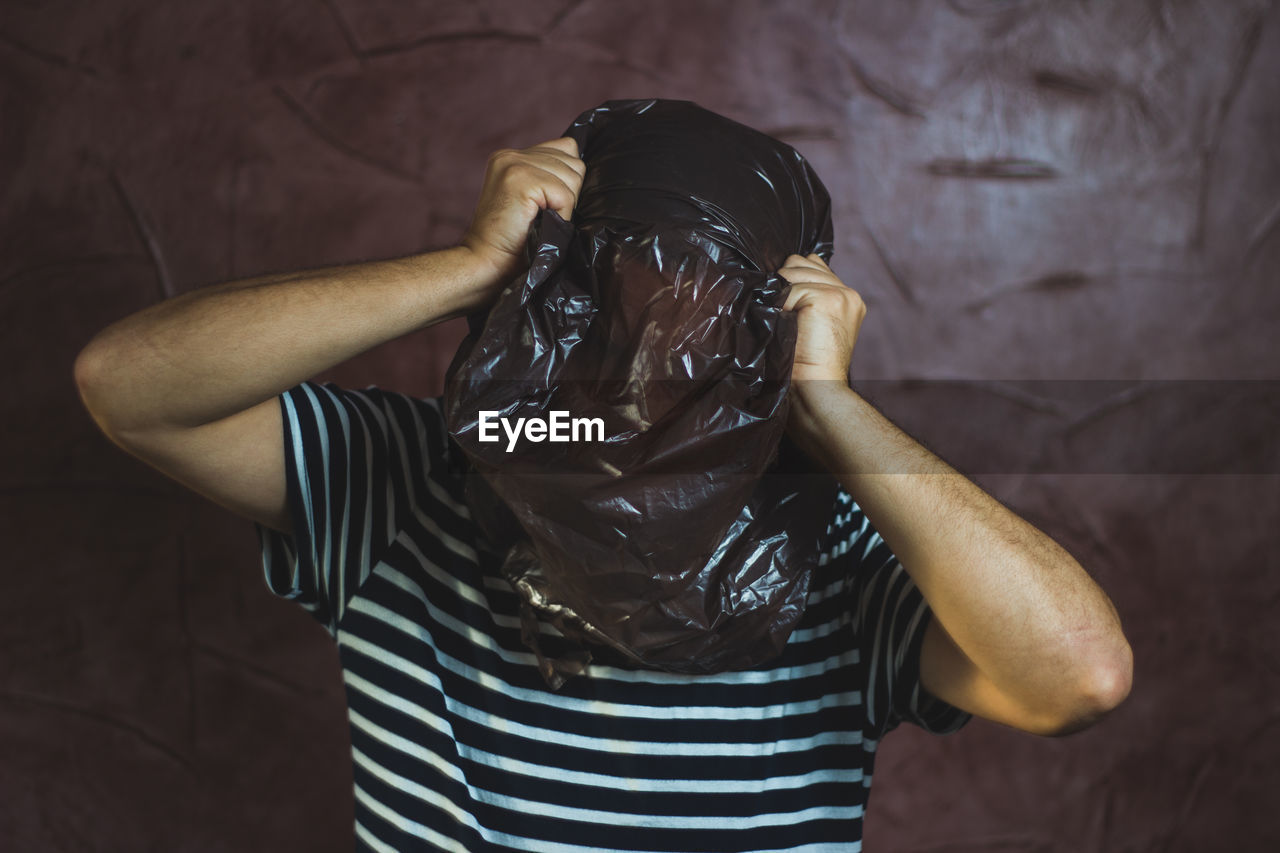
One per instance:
(517,184)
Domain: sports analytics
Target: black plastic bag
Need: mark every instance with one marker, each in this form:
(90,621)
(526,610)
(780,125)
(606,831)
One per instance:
(681,528)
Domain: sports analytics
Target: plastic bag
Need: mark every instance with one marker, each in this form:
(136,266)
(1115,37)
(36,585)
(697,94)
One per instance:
(677,525)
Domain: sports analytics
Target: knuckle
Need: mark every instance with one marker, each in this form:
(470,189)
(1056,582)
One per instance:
(520,170)
(504,158)
(853,301)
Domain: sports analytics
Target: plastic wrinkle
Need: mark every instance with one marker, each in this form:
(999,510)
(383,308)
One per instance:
(685,539)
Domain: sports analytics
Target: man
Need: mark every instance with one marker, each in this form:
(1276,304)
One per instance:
(457,743)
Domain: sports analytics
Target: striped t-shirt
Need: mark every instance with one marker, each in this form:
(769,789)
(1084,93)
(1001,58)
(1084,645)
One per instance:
(458,744)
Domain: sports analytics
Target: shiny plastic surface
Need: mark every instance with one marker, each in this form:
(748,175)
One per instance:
(685,538)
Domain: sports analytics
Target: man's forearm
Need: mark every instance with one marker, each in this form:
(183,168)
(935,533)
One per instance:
(1020,607)
(218,350)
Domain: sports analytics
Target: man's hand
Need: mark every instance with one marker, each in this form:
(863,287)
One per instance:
(829,315)
(517,184)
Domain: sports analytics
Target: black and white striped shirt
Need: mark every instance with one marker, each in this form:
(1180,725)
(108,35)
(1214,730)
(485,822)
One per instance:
(457,743)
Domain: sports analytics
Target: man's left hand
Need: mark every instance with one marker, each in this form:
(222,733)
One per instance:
(829,315)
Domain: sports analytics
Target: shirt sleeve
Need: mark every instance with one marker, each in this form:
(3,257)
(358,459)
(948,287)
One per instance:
(889,616)
(358,464)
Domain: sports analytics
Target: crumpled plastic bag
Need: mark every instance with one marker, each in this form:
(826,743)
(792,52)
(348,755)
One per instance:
(683,529)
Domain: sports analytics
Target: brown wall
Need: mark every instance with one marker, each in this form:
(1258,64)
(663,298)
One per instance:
(1024,191)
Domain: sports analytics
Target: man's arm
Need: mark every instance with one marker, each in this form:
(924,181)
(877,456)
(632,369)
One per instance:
(189,385)
(1021,634)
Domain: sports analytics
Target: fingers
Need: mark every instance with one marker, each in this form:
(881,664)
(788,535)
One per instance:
(561,157)
(814,284)
(565,144)
(829,316)
(550,173)
(829,298)
(798,270)
(517,184)
(813,261)
(798,294)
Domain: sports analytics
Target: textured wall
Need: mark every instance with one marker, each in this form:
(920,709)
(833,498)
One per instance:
(1024,190)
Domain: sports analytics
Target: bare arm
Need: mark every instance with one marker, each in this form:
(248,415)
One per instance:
(189,385)
(1021,634)
(208,354)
